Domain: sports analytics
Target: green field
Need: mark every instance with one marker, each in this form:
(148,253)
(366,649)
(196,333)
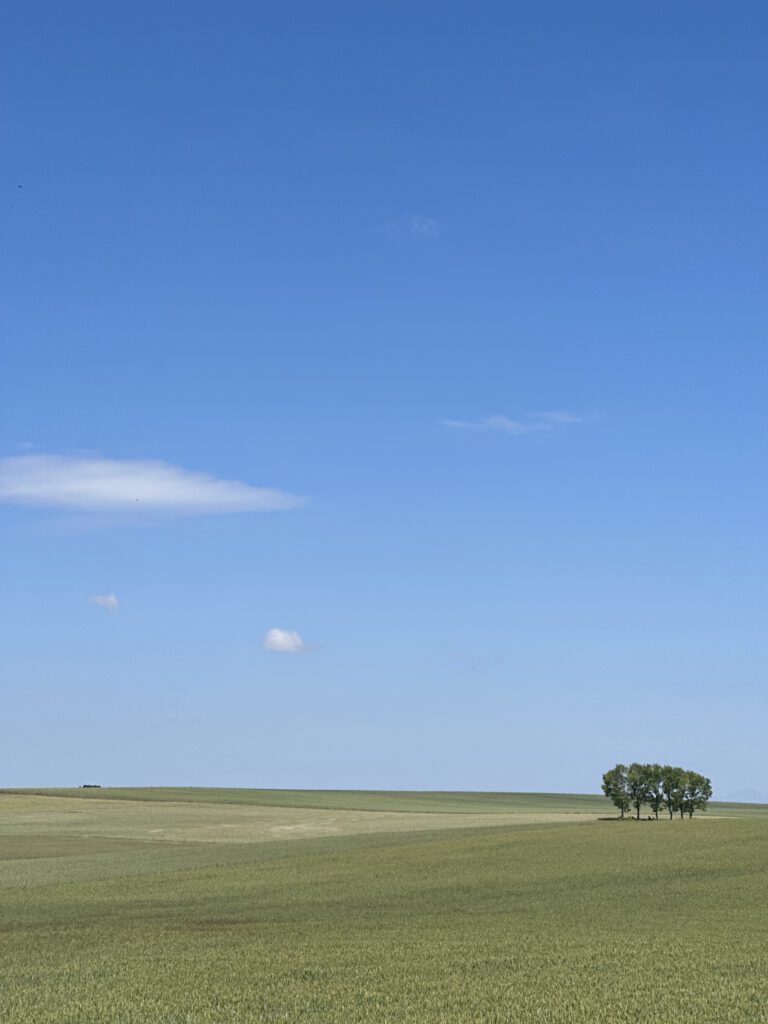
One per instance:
(351,800)
(211,907)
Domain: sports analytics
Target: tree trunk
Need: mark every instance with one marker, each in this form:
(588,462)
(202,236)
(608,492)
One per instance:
(638,811)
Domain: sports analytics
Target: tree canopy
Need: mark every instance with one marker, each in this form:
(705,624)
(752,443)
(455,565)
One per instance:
(657,786)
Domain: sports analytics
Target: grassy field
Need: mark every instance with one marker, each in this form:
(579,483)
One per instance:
(352,800)
(433,908)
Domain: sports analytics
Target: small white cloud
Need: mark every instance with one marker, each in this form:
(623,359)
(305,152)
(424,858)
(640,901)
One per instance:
(284,641)
(108,601)
(133,486)
(503,424)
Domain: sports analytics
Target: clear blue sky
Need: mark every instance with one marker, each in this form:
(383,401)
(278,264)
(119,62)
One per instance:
(484,284)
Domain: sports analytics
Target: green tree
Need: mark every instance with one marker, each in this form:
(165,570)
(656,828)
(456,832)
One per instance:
(697,791)
(672,787)
(638,785)
(655,794)
(615,787)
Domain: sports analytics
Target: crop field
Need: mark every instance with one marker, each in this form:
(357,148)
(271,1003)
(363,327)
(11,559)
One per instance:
(353,800)
(219,907)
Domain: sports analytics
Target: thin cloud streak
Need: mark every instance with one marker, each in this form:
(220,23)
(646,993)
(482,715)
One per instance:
(538,422)
(108,601)
(129,486)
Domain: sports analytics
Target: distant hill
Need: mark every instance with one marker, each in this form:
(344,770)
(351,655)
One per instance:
(747,796)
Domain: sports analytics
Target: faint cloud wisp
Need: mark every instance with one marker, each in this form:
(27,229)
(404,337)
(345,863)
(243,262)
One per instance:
(538,422)
(424,226)
(108,601)
(416,224)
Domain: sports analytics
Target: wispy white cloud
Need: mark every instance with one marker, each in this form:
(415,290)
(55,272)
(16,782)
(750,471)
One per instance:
(129,486)
(108,601)
(283,641)
(503,424)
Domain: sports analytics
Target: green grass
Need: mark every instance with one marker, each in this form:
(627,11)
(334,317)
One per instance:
(207,822)
(549,923)
(350,800)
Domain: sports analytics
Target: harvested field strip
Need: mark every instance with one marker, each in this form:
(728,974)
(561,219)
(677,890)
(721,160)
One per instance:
(164,821)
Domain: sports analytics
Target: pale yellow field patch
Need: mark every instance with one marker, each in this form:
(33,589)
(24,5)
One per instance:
(22,815)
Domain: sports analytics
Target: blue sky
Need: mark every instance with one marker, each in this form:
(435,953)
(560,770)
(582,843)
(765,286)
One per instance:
(433,334)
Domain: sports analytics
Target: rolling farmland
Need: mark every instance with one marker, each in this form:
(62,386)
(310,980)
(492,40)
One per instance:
(208,907)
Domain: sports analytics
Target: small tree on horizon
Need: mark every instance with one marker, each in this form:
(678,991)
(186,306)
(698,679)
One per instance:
(697,791)
(615,788)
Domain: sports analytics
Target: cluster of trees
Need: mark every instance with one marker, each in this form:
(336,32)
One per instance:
(657,786)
